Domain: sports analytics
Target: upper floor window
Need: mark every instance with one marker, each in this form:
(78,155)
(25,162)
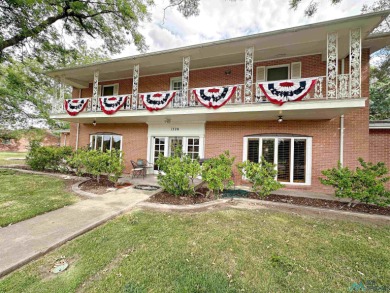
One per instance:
(278,73)
(290,154)
(110,90)
(105,141)
(176,83)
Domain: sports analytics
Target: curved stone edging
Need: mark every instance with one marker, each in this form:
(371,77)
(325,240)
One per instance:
(76,189)
(245,203)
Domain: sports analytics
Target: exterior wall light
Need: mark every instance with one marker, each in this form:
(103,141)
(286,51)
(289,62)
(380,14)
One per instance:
(94,123)
(228,72)
(280,119)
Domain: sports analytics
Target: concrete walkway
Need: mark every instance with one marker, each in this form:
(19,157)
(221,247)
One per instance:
(27,240)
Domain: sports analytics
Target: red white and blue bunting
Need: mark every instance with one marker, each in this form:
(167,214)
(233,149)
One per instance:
(279,92)
(75,106)
(111,105)
(157,101)
(214,97)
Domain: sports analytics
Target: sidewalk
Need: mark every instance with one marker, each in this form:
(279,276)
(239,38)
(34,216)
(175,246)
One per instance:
(27,240)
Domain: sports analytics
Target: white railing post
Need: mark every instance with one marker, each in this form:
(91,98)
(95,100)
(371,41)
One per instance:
(95,92)
(355,53)
(185,79)
(331,66)
(134,96)
(248,82)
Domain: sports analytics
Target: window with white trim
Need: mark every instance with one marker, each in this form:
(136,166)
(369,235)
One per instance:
(176,83)
(290,154)
(110,90)
(105,141)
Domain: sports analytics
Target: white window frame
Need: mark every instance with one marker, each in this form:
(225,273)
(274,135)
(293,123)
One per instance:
(103,134)
(113,88)
(173,80)
(308,162)
(288,65)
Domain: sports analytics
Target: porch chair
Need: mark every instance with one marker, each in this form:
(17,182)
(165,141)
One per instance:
(137,170)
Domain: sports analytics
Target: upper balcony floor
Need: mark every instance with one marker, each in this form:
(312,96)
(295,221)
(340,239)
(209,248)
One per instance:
(333,55)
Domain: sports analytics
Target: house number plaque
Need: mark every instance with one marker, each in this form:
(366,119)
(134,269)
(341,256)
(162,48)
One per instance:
(175,129)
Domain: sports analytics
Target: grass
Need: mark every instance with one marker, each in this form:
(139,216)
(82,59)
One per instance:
(220,251)
(5,155)
(24,196)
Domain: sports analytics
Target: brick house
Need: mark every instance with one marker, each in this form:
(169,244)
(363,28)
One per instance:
(22,144)
(294,96)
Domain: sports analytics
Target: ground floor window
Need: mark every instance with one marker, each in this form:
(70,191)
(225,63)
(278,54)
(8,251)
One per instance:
(291,155)
(167,145)
(105,141)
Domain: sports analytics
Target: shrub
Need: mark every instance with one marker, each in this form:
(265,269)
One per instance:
(97,163)
(48,158)
(177,173)
(365,184)
(261,175)
(217,173)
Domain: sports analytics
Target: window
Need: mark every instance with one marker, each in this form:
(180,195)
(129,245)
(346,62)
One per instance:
(193,147)
(290,154)
(176,83)
(105,142)
(6,141)
(110,90)
(277,73)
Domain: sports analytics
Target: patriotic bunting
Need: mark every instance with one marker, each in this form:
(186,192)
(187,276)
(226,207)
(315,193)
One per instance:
(214,97)
(111,105)
(279,92)
(157,101)
(75,106)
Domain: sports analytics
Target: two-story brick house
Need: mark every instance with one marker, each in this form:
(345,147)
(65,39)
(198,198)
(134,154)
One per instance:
(298,97)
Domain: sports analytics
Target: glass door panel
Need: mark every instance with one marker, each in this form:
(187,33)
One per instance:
(284,156)
(268,150)
(299,160)
(159,148)
(175,142)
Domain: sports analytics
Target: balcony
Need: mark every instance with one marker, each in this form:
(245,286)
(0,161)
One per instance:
(252,106)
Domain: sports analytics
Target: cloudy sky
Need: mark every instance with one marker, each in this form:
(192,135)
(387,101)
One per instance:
(223,19)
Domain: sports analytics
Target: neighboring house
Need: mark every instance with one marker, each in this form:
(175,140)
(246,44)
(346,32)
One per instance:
(22,144)
(228,95)
(64,137)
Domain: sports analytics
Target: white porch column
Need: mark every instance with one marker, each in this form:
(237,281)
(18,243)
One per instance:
(248,82)
(185,81)
(355,53)
(95,93)
(332,66)
(134,97)
(62,88)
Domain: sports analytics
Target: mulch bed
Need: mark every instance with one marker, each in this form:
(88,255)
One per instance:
(97,187)
(166,198)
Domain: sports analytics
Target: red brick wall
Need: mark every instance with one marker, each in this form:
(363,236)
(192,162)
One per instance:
(380,147)
(22,144)
(134,138)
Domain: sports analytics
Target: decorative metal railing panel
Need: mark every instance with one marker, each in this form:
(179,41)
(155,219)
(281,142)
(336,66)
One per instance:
(318,92)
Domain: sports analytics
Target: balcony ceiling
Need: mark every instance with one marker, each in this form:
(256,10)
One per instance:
(305,110)
(303,40)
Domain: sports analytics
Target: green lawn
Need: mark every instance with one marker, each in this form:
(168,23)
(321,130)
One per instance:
(23,196)
(220,251)
(6,155)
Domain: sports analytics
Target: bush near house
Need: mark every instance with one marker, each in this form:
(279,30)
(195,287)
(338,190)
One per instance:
(83,161)
(179,173)
(365,184)
(261,175)
(97,163)
(42,158)
(217,173)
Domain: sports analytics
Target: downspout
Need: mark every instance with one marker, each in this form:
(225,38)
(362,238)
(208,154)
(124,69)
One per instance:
(77,136)
(341,139)
(342,124)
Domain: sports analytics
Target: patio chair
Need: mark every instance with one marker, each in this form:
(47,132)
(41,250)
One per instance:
(137,171)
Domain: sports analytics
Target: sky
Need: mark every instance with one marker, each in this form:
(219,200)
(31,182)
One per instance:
(224,19)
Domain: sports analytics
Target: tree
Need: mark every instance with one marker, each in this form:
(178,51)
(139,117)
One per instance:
(26,93)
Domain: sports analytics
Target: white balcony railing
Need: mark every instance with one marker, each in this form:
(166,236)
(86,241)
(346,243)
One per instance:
(317,93)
